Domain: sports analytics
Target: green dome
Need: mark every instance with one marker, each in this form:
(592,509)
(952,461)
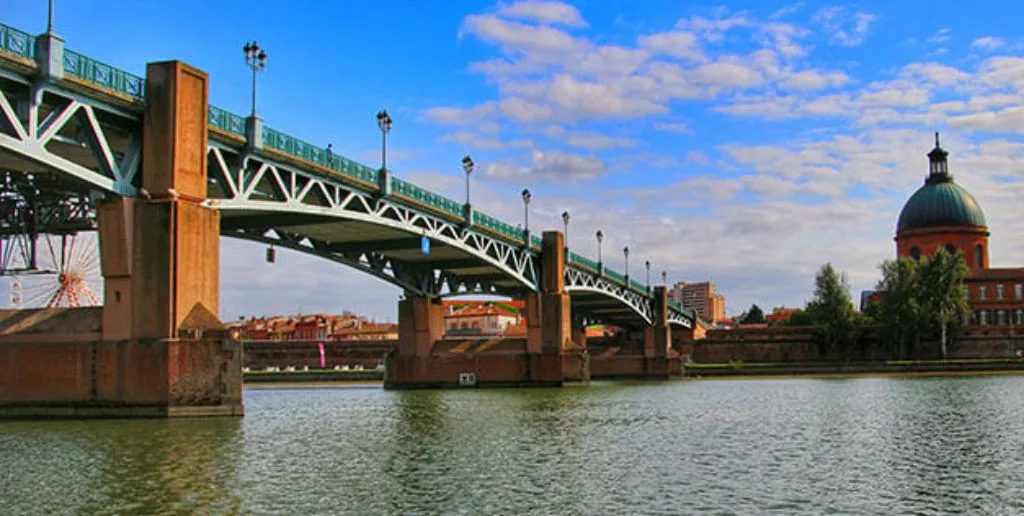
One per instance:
(940,202)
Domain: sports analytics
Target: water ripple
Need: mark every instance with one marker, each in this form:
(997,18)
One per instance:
(870,446)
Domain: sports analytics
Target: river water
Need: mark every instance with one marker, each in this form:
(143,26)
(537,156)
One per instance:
(858,446)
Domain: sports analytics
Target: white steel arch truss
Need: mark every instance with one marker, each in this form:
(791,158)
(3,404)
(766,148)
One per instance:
(36,117)
(642,305)
(249,182)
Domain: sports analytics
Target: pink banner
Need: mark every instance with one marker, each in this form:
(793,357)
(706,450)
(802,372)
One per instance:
(323,357)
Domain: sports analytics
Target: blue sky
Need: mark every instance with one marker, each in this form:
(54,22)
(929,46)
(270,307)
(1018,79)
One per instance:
(745,143)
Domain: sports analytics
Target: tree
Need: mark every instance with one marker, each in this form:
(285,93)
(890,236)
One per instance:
(919,297)
(754,315)
(942,291)
(898,311)
(832,311)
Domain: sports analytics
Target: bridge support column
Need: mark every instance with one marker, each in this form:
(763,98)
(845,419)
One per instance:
(420,325)
(658,337)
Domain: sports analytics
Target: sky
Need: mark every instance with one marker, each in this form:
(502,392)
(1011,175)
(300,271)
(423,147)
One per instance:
(746,143)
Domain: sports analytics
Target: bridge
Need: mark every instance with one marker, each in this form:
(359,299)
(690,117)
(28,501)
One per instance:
(161,174)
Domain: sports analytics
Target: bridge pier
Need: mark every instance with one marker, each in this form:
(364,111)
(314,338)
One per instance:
(547,357)
(658,338)
(160,350)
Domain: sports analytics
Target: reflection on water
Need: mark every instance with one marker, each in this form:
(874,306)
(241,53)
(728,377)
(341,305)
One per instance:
(869,446)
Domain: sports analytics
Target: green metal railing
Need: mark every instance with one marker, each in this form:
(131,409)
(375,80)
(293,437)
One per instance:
(427,197)
(486,221)
(300,149)
(14,41)
(102,74)
(576,259)
(226,120)
(22,44)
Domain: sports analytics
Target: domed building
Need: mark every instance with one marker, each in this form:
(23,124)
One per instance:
(943,214)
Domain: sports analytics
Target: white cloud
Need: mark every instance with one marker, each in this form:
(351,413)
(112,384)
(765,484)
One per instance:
(515,37)
(680,44)
(544,12)
(698,157)
(988,43)
(815,80)
(940,36)
(460,116)
(549,165)
(846,29)
(470,140)
(597,141)
(673,127)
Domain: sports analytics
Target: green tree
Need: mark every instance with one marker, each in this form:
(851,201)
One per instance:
(832,311)
(753,315)
(800,318)
(943,296)
(898,312)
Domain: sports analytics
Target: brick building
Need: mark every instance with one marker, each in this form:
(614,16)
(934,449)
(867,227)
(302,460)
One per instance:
(701,298)
(943,214)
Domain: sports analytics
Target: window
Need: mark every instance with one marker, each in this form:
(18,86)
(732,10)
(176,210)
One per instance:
(1018,291)
(982,292)
(1001,317)
(983,317)
(999,291)
(979,257)
(915,253)
(1020,316)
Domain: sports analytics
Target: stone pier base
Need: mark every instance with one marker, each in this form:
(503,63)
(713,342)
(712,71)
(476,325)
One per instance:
(79,376)
(489,370)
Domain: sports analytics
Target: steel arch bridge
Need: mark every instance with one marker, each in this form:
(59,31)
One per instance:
(77,132)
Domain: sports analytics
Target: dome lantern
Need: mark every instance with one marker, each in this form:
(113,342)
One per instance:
(938,164)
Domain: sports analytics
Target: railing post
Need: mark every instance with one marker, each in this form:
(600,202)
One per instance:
(254,132)
(50,56)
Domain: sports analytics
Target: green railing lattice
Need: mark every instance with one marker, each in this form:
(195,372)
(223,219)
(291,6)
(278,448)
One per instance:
(14,41)
(102,74)
(427,197)
(583,261)
(321,156)
(226,120)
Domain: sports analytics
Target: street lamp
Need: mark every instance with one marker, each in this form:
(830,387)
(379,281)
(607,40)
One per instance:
(647,265)
(625,252)
(664,279)
(384,123)
(256,58)
(384,180)
(467,167)
(526,216)
(565,231)
(600,263)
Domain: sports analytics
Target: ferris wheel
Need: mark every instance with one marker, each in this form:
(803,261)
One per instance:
(50,271)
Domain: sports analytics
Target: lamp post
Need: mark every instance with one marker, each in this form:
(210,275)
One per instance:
(625,252)
(256,58)
(565,231)
(49,20)
(600,262)
(664,279)
(526,216)
(467,167)
(384,123)
(647,265)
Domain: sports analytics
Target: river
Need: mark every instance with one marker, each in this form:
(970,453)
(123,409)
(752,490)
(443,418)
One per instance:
(851,446)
